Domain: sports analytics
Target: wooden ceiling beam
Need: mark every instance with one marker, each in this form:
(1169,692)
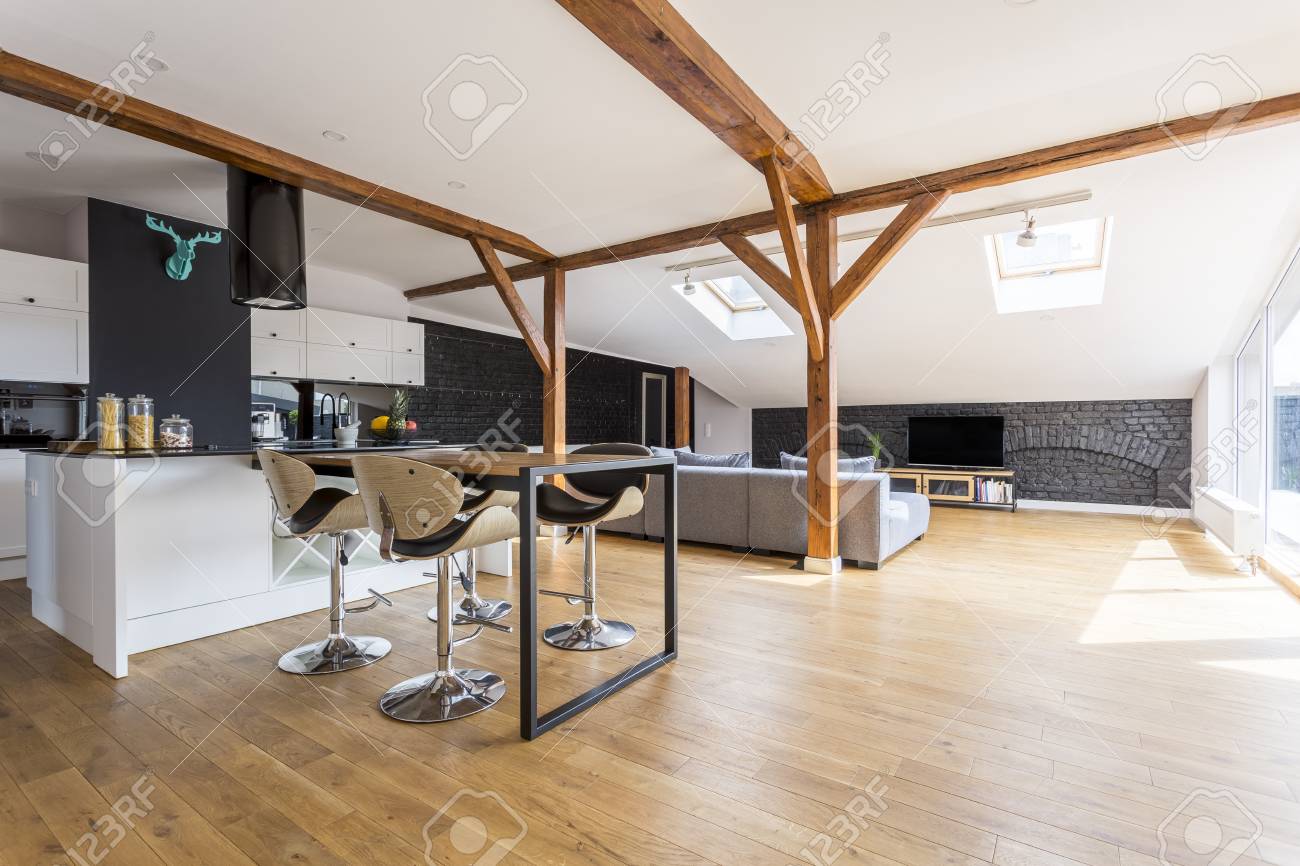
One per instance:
(800,282)
(96,104)
(1042,162)
(758,262)
(883,248)
(528,329)
(654,38)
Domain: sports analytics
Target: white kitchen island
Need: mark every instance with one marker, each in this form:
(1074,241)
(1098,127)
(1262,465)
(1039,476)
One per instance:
(128,554)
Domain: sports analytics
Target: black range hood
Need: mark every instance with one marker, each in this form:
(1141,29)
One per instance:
(267,250)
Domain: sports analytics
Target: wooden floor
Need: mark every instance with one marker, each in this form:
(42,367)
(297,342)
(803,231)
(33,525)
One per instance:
(1022,689)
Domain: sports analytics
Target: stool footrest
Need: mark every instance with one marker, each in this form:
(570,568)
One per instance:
(570,597)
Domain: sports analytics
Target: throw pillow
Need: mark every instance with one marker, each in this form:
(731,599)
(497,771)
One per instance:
(669,452)
(739,460)
(847,465)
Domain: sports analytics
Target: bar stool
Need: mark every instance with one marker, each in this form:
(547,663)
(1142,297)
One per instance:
(618,493)
(308,511)
(476,500)
(413,506)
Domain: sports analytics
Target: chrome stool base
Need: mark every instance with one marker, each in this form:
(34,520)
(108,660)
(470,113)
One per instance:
(589,634)
(486,608)
(442,697)
(334,655)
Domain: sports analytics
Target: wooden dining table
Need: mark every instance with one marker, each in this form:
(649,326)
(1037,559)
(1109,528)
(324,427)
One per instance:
(522,472)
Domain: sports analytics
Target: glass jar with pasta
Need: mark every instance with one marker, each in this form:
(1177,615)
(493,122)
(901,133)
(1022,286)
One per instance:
(111,428)
(139,422)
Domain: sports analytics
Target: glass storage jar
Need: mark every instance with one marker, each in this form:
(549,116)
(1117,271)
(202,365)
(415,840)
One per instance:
(176,432)
(111,427)
(139,422)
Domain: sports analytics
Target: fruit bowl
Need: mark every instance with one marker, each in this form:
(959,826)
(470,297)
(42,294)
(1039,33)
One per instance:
(383,434)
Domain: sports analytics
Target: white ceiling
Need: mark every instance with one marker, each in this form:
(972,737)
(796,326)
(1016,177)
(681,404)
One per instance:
(597,155)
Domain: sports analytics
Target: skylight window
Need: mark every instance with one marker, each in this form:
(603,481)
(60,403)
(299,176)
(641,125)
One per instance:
(1075,246)
(1064,267)
(738,295)
(734,307)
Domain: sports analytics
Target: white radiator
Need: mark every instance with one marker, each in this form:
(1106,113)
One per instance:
(1235,522)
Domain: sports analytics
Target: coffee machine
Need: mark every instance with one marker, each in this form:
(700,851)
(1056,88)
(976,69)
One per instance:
(266,425)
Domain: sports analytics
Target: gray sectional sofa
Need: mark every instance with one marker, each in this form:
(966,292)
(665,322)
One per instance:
(763,509)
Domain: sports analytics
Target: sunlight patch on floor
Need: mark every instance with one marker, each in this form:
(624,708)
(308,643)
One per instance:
(1283,669)
(802,579)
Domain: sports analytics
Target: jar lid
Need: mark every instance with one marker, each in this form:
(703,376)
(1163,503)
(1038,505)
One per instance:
(140,398)
(110,396)
(176,419)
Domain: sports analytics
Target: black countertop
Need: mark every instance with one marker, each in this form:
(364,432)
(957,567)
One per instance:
(299,447)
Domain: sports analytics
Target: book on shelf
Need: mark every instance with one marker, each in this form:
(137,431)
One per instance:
(994,491)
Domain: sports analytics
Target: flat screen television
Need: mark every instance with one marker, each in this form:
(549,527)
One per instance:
(974,441)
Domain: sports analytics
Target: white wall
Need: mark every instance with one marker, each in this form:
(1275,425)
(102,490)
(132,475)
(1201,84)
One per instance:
(329,289)
(1213,427)
(721,427)
(38,232)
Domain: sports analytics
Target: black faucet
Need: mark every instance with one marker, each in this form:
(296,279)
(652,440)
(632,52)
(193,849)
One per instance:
(329,429)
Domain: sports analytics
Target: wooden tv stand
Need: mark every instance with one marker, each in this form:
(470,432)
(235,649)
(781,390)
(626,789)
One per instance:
(957,485)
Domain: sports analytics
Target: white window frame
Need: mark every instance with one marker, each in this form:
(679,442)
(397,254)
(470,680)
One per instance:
(1091,265)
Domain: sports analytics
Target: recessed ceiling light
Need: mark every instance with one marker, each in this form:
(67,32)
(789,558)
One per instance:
(318,230)
(456,184)
(333,135)
(157,64)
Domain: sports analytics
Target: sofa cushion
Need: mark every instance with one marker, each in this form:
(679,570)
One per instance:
(669,452)
(712,505)
(778,517)
(909,519)
(739,460)
(847,465)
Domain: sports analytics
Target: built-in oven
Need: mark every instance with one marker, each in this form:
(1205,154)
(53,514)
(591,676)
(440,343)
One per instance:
(33,413)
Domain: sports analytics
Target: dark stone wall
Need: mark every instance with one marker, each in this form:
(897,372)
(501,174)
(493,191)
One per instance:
(473,377)
(1120,452)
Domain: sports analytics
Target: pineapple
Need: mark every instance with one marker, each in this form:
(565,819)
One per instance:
(397,414)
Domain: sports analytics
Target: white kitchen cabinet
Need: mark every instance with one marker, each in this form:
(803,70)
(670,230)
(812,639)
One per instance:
(40,344)
(279,324)
(349,330)
(281,359)
(38,281)
(408,338)
(13,503)
(341,364)
(408,369)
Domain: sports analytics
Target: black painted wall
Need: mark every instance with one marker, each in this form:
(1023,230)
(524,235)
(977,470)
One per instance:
(1119,452)
(181,342)
(472,377)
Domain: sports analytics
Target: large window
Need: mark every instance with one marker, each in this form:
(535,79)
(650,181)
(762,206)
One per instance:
(1283,511)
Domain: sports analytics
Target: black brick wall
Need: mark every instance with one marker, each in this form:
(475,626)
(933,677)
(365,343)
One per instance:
(1121,452)
(472,377)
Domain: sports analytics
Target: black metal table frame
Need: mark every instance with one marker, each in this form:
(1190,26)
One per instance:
(531,725)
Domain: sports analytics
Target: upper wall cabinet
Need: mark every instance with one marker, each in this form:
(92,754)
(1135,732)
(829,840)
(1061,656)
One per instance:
(37,281)
(43,344)
(349,330)
(408,338)
(279,324)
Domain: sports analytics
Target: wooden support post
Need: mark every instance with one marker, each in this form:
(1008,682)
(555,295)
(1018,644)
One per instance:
(553,382)
(823,554)
(681,407)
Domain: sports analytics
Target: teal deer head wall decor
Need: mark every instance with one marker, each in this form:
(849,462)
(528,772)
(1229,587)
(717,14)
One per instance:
(181,262)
